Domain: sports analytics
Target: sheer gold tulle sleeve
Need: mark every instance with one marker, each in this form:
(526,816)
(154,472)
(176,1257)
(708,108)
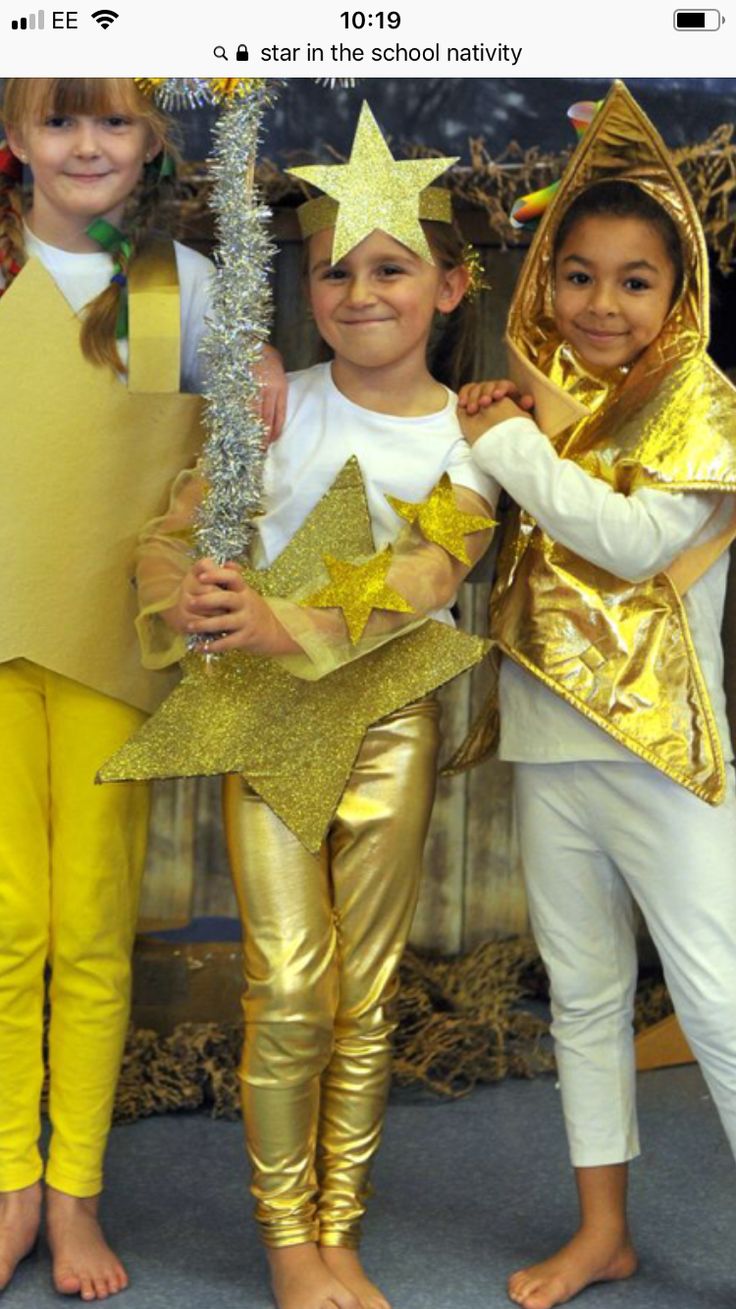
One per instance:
(422,572)
(165,554)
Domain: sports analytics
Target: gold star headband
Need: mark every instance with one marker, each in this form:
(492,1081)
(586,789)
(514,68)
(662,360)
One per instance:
(375,191)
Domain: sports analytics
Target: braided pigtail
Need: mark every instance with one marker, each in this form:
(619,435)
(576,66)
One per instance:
(12,253)
(106,319)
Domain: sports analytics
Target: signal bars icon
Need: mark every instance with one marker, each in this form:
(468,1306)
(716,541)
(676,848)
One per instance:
(105,17)
(34,22)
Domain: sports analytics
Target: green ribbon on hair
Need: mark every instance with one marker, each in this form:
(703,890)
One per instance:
(167,167)
(158,170)
(114,243)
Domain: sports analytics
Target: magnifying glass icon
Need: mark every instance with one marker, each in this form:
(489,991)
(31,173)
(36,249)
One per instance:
(219,52)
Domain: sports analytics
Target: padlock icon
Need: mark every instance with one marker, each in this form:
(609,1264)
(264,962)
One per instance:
(242,52)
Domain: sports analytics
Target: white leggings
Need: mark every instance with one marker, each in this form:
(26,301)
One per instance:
(595,837)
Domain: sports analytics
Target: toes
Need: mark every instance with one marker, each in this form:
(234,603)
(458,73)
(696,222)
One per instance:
(86,1288)
(67,1282)
(347,1301)
(522,1284)
(537,1301)
(535,1298)
(520,1289)
(102,1288)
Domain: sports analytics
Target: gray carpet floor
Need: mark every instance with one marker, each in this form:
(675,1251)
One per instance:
(465,1192)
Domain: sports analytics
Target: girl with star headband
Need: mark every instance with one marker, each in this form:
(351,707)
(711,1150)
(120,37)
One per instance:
(100,326)
(607,611)
(373,515)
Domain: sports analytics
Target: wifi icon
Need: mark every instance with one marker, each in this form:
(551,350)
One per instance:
(105,17)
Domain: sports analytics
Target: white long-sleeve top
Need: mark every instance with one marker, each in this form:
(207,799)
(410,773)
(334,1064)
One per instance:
(632,536)
(400,456)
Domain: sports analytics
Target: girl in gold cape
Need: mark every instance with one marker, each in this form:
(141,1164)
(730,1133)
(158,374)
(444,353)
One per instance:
(607,613)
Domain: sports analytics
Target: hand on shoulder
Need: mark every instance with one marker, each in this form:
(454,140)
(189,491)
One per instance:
(274,389)
(483,405)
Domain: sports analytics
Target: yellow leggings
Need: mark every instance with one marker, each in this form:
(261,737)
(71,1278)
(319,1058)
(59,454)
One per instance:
(323,938)
(71,857)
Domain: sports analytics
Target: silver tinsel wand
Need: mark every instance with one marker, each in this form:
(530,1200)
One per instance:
(232,457)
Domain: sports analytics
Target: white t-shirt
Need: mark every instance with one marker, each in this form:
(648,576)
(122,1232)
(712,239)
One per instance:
(403,457)
(81,278)
(633,537)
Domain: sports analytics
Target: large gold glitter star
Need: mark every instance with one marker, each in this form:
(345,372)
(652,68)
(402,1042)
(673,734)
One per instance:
(358,589)
(440,520)
(374,190)
(294,741)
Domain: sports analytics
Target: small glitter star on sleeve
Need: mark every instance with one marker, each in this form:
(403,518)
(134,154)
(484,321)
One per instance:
(374,190)
(440,520)
(358,589)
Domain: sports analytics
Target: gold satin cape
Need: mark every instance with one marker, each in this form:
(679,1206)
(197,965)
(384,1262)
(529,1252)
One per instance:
(620,652)
(87,458)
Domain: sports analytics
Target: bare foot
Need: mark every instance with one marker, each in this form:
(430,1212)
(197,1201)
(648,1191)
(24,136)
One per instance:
(591,1256)
(302,1281)
(345,1264)
(20,1215)
(83,1263)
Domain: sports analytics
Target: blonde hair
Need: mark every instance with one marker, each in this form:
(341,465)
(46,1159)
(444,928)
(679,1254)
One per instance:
(31,100)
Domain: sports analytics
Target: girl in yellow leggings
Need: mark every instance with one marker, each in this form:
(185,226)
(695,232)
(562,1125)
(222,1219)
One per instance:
(100,409)
(80,396)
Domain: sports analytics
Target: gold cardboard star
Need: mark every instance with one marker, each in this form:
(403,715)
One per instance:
(358,589)
(440,520)
(374,190)
(295,742)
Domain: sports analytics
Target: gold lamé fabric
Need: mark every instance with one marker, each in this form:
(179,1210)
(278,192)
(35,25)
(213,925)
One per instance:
(621,653)
(324,934)
(87,459)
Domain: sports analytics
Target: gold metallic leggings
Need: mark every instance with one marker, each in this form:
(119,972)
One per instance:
(323,938)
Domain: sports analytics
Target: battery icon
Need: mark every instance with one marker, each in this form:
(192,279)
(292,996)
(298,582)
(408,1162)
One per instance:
(698,20)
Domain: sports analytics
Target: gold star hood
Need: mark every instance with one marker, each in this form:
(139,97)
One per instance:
(671,420)
(621,652)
